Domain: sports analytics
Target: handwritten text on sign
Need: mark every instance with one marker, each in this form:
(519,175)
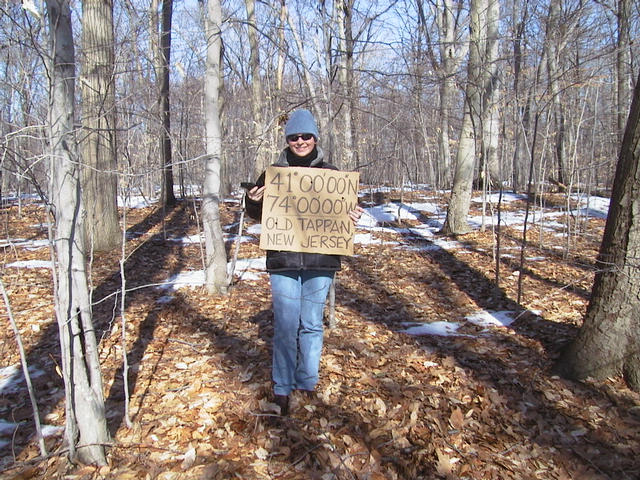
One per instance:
(307,210)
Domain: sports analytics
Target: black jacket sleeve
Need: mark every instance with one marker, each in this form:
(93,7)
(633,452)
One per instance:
(254,209)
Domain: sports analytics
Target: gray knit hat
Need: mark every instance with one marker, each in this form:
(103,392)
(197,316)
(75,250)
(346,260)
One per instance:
(301,121)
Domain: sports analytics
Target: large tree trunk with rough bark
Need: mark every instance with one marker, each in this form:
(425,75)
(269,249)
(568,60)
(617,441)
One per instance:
(99,181)
(216,257)
(609,341)
(86,430)
(623,62)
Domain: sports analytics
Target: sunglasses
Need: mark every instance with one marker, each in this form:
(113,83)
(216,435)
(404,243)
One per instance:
(303,136)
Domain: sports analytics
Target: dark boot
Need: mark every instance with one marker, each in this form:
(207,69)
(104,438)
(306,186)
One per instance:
(283,402)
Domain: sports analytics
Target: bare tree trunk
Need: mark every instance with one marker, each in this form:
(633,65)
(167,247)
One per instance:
(458,208)
(123,312)
(445,64)
(99,180)
(345,62)
(479,112)
(609,341)
(258,140)
(276,133)
(216,257)
(623,64)
(281,50)
(520,111)
(86,427)
(326,116)
(444,150)
(449,60)
(154,125)
(168,196)
(460,200)
(552,47)
(491,97)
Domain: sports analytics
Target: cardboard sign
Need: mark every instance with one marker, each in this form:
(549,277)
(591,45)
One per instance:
(307,210)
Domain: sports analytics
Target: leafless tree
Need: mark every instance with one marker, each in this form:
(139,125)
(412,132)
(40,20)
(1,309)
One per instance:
(86,430)
(349,88)
(445,56)
(216,259)
(521,105)
(609,341)
(481,83)
(257,99)
(100,181)
(161,43)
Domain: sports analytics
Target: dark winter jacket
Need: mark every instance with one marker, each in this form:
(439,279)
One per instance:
(279,260)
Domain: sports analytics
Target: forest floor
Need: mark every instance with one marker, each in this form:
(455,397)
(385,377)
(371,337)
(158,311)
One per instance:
(479,404)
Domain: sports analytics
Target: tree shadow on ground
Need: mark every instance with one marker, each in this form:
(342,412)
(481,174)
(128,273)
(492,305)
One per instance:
(534,415)
(151,264)
(528,409)
(580,261)
(300,442)
(45,355)
(516,380)
(523,403)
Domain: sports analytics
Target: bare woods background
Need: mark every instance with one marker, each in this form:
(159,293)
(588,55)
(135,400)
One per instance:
(388,80)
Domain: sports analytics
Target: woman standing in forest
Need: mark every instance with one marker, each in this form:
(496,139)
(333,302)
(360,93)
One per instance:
(299,281)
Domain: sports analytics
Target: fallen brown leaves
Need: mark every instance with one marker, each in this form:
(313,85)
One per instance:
(481,405)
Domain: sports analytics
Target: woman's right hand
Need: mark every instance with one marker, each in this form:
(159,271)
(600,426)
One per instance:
(256,194)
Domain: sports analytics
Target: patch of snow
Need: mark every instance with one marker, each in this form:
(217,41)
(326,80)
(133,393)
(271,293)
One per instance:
(31,264)
(443,329)
(135,201)
(250,268)
(485,318)
(51,430)
(597,207)
(243,238)
(187,240)
(254,229)
(378,214)
(481,318)
(429,207)
(370,239)
(187,278)
(246,269)
(28,244)
(7,428)
(506,197)
(259,263)
(12,379)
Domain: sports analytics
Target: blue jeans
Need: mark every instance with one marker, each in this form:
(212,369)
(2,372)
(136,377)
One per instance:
(298,305)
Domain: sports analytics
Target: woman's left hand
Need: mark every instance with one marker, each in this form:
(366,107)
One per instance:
(355,214)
